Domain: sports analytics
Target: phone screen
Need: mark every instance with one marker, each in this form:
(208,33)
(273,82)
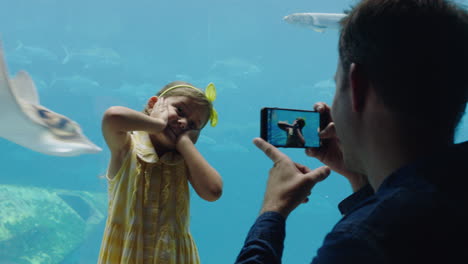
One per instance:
(290,128)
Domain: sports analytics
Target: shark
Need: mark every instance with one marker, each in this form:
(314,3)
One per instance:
(317,21)
(24,121)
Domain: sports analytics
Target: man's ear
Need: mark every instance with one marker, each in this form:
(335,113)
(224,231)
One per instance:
(152,101)
(359,85)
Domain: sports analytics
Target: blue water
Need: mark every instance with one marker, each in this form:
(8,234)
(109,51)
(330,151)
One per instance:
(254,58)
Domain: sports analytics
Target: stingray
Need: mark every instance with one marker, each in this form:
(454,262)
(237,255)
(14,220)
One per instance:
(317,21)
(26,122)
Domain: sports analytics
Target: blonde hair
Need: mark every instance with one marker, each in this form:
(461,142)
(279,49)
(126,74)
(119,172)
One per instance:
(197,95)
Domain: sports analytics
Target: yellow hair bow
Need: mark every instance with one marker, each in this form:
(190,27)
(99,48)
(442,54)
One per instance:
(210,93)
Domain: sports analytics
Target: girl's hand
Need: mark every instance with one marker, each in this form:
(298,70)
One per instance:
(188,137)
(160,110)
(330,152)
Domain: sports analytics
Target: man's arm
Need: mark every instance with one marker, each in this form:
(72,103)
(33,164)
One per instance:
(289,185)
(348,247)
(264,243)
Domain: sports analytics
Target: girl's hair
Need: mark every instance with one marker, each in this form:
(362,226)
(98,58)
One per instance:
(301,122)
(197,95)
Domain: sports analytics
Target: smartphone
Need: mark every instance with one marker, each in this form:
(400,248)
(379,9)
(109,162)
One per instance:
(291,128)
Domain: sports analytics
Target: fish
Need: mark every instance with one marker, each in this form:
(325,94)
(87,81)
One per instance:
(317,21)
(234,67)
(76,84)
(19,59)
(26,122)
(93,58)
(37,53)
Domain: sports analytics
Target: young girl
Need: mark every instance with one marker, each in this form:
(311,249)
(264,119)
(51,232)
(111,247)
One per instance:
(153,158)
(294,137)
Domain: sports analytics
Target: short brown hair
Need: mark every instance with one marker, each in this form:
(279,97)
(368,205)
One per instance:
(197,95)
(415,52)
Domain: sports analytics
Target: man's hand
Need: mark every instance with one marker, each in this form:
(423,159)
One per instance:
(289,183)
(330,153)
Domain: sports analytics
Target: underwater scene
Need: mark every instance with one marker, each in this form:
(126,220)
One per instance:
(66,62)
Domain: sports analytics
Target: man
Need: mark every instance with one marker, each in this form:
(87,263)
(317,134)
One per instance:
(401,90)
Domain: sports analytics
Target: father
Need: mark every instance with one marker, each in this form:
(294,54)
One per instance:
(401,90)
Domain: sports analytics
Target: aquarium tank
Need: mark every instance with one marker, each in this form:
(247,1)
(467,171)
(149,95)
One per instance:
(86,56)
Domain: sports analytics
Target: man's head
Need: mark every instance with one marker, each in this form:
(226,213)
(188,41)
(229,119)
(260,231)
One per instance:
(413,55)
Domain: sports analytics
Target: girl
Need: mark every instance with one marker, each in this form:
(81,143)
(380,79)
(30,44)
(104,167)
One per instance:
(153,158)
(294,137)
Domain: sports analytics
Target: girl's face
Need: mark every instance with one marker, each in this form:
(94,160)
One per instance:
(183,115)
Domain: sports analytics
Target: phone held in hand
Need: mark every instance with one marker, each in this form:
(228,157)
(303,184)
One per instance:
(291,128)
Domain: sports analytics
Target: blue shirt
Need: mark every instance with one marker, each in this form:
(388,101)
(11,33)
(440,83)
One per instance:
(419,214)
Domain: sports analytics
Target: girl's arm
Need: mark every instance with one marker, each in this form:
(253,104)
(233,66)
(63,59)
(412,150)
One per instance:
(204,179)
(116,124)
(118,120)
(283,125)
(301,136)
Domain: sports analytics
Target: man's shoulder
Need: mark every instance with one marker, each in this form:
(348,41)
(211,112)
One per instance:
(401,218)
(421,204)
(418,203)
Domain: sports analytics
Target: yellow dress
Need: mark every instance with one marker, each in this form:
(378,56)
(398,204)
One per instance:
(148,215)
